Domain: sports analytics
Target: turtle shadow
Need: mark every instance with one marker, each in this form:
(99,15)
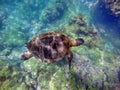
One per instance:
(61,63)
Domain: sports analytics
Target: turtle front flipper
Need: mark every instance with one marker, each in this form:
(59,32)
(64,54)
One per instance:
(69,57)
(26,55)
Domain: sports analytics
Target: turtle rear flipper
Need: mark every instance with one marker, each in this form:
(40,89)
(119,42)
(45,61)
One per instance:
(69,57)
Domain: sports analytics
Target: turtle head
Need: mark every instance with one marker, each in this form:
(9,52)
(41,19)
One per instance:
(76,42)
(26,55)
(79,41)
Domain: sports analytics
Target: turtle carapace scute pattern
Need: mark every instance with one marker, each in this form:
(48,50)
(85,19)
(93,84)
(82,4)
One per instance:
(51,47)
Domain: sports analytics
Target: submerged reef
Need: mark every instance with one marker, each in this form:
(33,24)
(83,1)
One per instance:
(91,68)
(95,65)
(56,12)
(113,5)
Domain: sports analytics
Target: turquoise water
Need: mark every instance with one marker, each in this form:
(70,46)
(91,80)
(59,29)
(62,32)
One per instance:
(21,20)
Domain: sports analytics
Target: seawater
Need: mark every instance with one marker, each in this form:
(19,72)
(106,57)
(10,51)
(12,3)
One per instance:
(21,20)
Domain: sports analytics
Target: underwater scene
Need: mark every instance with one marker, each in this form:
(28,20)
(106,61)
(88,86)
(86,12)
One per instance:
(59,44)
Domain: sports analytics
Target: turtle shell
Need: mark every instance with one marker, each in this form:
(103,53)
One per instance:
(49,47)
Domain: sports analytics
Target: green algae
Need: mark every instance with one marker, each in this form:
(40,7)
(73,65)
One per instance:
(12,38)
(46,72)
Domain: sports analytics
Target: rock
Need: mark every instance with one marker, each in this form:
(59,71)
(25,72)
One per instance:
(52,14)
(3,16)
(113,5)
(79,20)
(92,76)
(13,38)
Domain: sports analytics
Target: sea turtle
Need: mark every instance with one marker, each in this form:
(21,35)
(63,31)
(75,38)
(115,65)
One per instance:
(51,47)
